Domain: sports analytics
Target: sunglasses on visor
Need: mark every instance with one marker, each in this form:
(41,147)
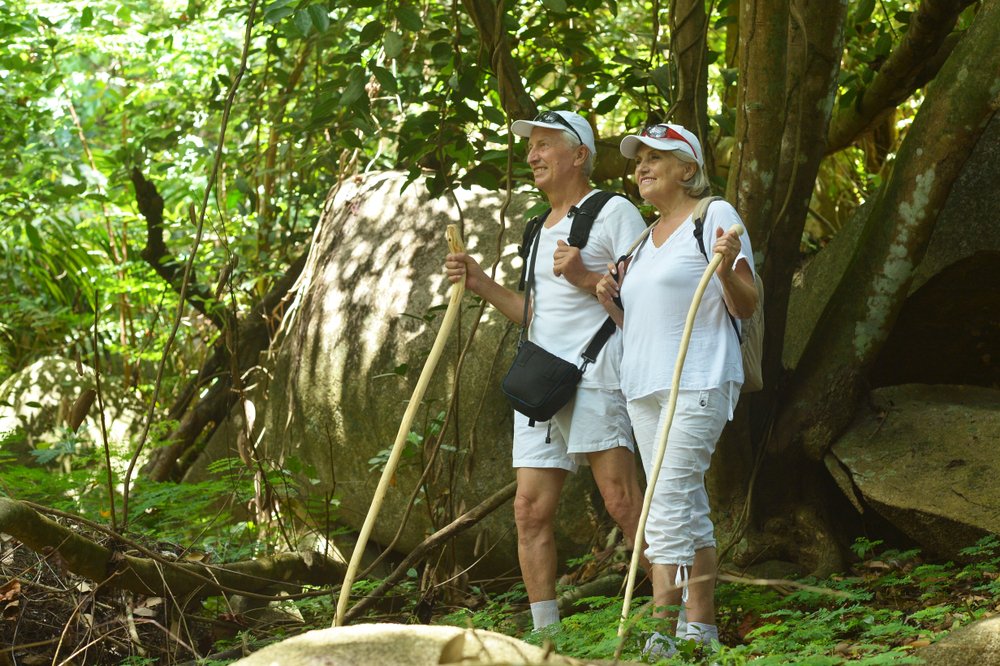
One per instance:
(553,117)
(662,131)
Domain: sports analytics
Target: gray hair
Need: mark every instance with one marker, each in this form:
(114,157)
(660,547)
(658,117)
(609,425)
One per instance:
(573,141)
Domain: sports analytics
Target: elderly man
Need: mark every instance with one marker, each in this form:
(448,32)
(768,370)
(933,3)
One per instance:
(593,428)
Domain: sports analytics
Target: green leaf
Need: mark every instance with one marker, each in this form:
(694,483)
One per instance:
(393,43)
(864,11)
(33,237)
(87,17)
(355,87)
(385,79)
(371,32)
(557,6)
(607,104)
(277,11)
(408,18)
(303,21)
(320,17)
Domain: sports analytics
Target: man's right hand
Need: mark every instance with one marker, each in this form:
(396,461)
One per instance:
(460,266)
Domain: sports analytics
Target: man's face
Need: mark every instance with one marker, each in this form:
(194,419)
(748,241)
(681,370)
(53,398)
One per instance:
(553,158)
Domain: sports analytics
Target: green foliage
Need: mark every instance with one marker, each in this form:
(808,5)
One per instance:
(875,614)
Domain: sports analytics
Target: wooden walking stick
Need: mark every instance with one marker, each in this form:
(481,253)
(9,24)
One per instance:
(450,315)
(661,445)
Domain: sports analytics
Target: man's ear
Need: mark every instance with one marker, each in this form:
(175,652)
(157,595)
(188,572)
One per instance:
(582,153)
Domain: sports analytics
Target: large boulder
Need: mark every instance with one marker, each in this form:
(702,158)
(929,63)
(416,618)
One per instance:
(42,402)
(402,645)
(366,313)
(978,643)
(925,458)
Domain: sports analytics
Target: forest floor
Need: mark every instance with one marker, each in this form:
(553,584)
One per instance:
(888,604)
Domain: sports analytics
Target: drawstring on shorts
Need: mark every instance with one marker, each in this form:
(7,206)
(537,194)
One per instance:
(681,580)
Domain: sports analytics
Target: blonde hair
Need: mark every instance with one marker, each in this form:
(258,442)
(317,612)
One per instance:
(697,185)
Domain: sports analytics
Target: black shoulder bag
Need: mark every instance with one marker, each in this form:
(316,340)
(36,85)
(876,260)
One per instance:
(540,383)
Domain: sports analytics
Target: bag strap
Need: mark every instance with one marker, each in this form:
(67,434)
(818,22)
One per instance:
(531,231)
(527,290)
(700,210)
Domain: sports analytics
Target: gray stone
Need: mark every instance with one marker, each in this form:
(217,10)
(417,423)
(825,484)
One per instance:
(978,643)
(38,401)
(925,458)
(367,310)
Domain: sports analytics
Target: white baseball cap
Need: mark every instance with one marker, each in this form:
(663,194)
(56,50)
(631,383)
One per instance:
(664,136)
(567,121)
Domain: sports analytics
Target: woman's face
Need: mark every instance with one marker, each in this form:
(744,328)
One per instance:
(660,175)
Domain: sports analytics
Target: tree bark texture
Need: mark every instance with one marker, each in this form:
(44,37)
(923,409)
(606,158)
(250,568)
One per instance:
(488,17)
(192,580)
(912,64)
(760,113)
(688,30)
(852,330)
(254,336)
(816,42)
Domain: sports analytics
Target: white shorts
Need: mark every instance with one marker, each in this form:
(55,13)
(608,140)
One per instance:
(678,522)
(599,422)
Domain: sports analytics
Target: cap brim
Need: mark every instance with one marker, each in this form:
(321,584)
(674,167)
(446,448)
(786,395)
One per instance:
(524,127)
(630,146)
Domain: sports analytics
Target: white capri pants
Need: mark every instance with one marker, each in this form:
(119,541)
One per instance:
(678,523)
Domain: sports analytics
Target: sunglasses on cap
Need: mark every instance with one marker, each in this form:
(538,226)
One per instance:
(553,117)
(663,131)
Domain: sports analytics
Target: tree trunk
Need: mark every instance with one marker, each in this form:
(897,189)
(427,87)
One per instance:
(816,45)
(794,493)
(760,113)
(850,333)
(688,29)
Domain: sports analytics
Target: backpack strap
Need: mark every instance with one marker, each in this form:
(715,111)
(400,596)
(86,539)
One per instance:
(700,211)
(585,214)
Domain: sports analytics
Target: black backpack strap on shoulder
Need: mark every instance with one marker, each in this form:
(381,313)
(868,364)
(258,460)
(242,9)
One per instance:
(531,231)
(585,214)
(701,210)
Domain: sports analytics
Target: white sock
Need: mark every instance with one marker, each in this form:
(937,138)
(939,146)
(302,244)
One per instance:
(544,613)
(702,633)
(682,625)
(659,646)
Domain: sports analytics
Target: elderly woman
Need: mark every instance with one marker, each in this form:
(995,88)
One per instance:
(656,294)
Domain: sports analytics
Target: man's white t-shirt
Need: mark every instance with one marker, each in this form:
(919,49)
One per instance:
(657,291)
(565,318)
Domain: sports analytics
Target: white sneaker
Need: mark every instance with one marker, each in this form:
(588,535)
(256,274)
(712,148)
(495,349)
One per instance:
(659,646)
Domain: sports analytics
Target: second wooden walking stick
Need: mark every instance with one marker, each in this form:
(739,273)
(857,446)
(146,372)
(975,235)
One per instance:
(451,314)
(661,444)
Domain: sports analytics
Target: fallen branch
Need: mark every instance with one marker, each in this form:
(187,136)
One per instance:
(286,572)
(449,531)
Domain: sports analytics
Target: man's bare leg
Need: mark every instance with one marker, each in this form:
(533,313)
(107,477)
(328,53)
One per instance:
(535,505)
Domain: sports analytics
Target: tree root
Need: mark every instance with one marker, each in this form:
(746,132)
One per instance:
(152,576)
